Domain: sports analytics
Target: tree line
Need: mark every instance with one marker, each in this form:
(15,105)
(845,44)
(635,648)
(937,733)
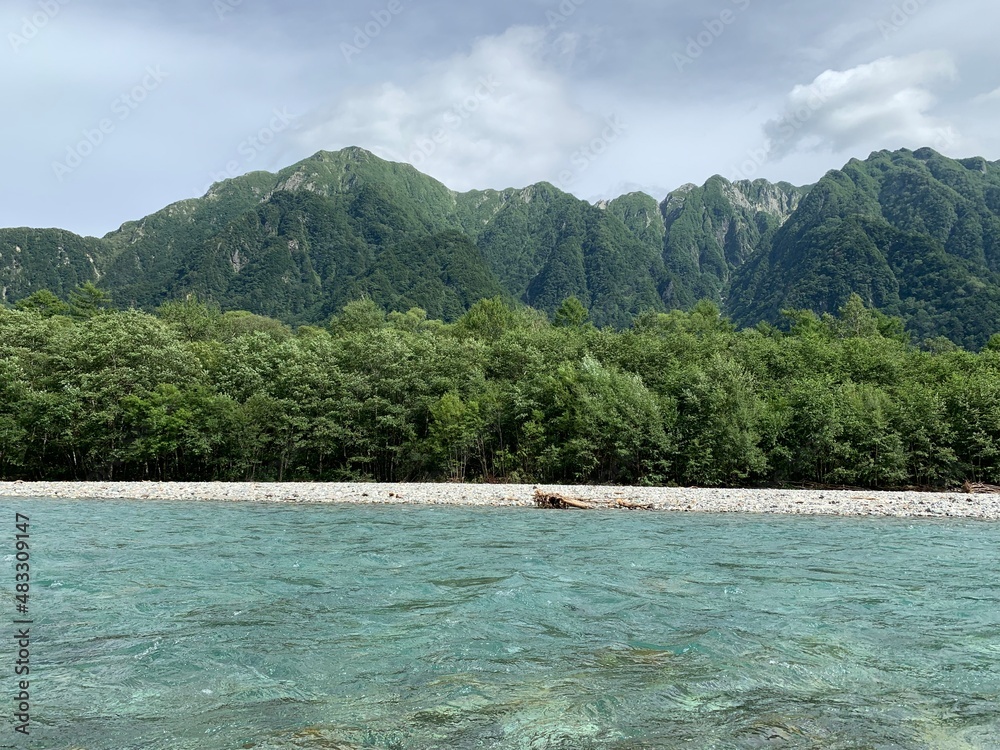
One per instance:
(502,394)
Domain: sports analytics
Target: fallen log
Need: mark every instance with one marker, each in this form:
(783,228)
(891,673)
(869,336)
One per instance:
(555,500)
(978,488)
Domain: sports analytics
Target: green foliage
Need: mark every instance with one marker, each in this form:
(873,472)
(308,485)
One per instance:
(720,414)
(488,319)
(192,319)
(455,429)
(43,302)
(915,235)
(360,316)
(570,314)
(500,395)
(973,407)
(87,300)
(51,259)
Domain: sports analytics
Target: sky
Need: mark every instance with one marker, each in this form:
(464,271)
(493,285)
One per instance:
(117,108)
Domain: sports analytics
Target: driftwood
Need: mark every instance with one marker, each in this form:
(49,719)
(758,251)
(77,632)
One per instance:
(555,500)
(979,488)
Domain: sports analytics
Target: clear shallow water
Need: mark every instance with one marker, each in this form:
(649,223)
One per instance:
(218,626)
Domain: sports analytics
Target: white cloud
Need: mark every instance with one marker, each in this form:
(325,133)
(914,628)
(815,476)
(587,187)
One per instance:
(499,115)
(886,102)
(991,98)
(228,75)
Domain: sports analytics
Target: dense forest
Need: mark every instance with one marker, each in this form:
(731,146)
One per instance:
(501,394)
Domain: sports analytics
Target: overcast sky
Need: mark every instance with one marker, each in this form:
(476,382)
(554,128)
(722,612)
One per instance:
(116,108)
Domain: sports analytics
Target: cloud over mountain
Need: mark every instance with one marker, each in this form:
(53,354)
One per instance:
(890,98)
(499,114)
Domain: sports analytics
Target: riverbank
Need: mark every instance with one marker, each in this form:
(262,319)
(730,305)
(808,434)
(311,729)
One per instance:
(801,502)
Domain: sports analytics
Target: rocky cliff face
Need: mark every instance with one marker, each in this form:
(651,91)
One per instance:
(712,230)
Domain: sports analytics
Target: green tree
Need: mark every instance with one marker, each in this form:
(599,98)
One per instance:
(720,416)
(44,303)
(193,319)
(87,300)
(359,316)
(570,314)
(488,319)
(456,428)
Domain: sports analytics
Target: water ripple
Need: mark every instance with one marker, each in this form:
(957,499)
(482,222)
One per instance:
(212,626)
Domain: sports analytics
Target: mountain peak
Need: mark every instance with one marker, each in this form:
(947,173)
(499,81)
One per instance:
(916,232)
(355,153)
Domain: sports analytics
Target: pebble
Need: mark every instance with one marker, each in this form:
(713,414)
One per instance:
(809,502)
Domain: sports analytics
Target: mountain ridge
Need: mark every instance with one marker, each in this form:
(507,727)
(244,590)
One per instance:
(915,233)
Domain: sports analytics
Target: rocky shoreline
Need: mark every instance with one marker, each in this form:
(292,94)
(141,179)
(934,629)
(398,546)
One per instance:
(800,502)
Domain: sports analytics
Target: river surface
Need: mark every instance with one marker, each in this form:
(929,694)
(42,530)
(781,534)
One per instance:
(215,626)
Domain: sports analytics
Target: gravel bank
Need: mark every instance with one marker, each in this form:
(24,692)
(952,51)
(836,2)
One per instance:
(807,502)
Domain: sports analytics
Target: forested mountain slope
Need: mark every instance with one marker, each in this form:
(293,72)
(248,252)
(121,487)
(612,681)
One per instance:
(915,234)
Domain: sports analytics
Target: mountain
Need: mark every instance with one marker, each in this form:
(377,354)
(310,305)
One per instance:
(299,244)
(706,233)
(545,245)
(33,259)
(914,233)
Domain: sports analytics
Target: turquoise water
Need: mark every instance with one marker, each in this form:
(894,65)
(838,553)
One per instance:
(219,626)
